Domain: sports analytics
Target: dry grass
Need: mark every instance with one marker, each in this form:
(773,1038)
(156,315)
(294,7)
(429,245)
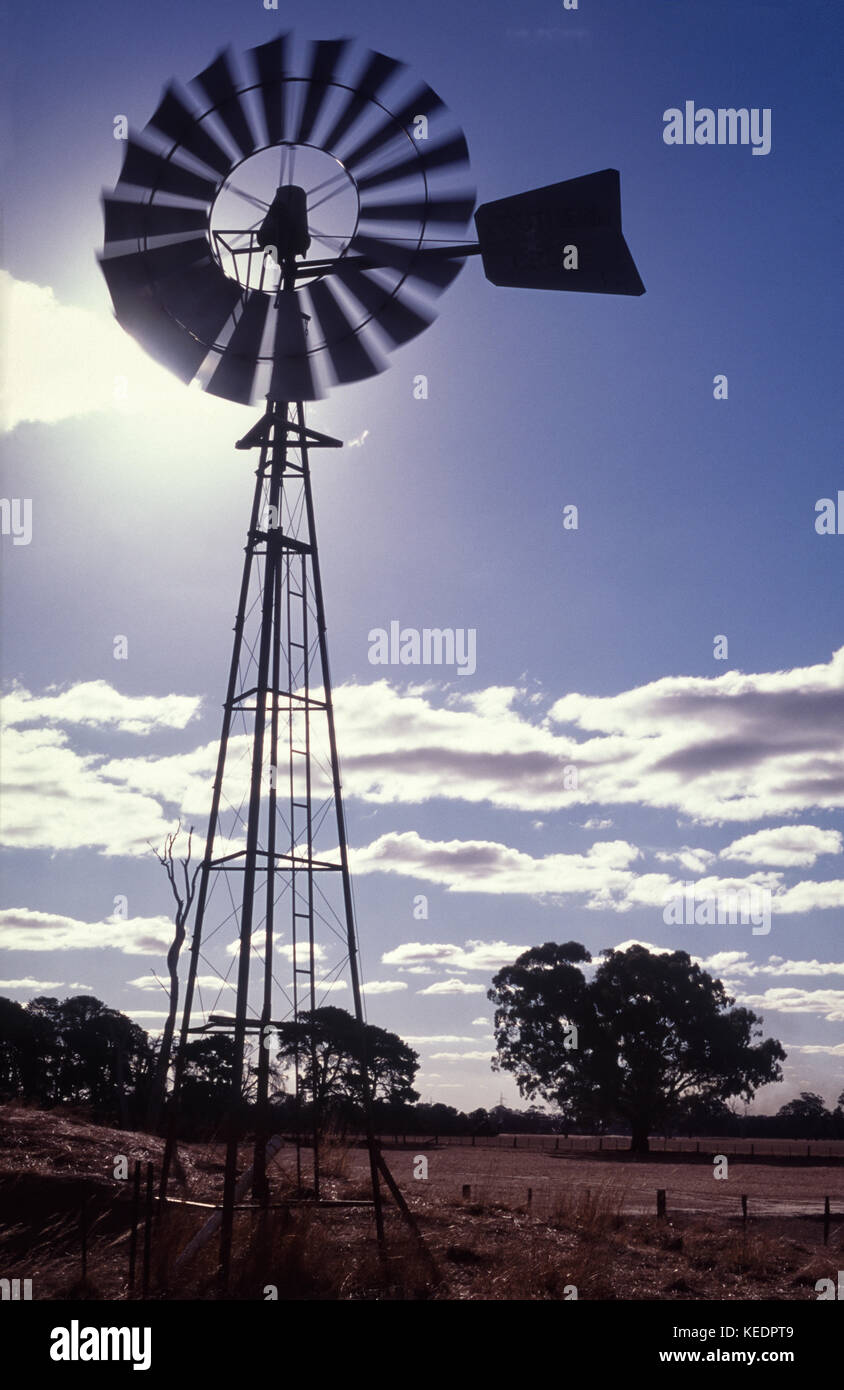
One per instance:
(594,1237)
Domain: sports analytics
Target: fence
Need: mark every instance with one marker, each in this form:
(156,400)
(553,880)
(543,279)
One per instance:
(618,1143)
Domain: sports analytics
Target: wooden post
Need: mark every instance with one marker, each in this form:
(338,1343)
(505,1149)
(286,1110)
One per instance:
(660,1203)
(826,1220)
(147,1233)
(515,1140)
(697,1147)
(556,1144)
(744,1208)
(133,1236)
(473,1141)
(83,1235)
(467,1191)
(530,1198)
(600,1143)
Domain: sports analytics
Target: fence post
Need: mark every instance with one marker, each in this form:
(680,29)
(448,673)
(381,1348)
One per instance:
(530,1198)
(660,1203)
(133,1236)
(147,1232)
(467,1191)
(826,1220)
(83,1235)
(744,1208)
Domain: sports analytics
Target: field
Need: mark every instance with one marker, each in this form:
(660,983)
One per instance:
(496,1221)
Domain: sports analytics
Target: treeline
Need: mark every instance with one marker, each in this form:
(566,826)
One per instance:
(81,1053)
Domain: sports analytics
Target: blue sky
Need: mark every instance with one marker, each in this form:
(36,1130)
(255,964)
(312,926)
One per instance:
(594,647)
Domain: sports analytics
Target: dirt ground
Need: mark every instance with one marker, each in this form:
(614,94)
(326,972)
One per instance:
(589,1229)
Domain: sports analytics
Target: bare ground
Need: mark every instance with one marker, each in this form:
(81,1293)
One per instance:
(590,1224)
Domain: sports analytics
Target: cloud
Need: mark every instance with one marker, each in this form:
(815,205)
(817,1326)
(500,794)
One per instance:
(788,846)
(480,1022)
(424,1039)
(58,361)
(460,1056)
(151,982)
(97,704)
(384,986)
(694,861)
(837,1051)
(22,929)
(32,984)
(595,823)
(485,866)
(828,1003)
(453,986)
(475,955)
(359,442)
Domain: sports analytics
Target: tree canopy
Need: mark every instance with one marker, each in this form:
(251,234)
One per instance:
(646,1035)
(333,1037)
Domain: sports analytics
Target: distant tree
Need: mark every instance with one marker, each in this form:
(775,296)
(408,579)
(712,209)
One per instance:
(334,1038)
(85,1053)
(651,1030)
(807,1116)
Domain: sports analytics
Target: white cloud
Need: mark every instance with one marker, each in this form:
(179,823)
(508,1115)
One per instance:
(384,986)
(837,1051)
(828,1003)
(162,982)
(32,984)
(97,704)
(480,1022)
(460,1056)
(58,361)
(694,861)
(474,955)
(596,823)
(787,846)
(358,443)
(22,929)
(485,866)
(453,986)
(424,1039)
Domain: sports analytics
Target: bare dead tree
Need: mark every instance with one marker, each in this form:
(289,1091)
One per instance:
(183,887)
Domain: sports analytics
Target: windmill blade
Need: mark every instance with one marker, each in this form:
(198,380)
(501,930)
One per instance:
(218,84)
(292,378)
(235,373)
(350,360)
(449,153)
(423,102)
(369,86)
(325,57)
(203,299)
(144,168)
(269,64)
(142,316)
(432,270)
(399,320)
(456,209)
(141,269)
(175,120)
(127,221)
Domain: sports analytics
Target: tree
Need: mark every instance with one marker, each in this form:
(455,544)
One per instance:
(646,1033)
(183,894)
(806,1116)
(334,1035)
(82,1052)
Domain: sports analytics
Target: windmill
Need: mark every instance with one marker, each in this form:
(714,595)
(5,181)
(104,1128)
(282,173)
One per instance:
(272,235)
